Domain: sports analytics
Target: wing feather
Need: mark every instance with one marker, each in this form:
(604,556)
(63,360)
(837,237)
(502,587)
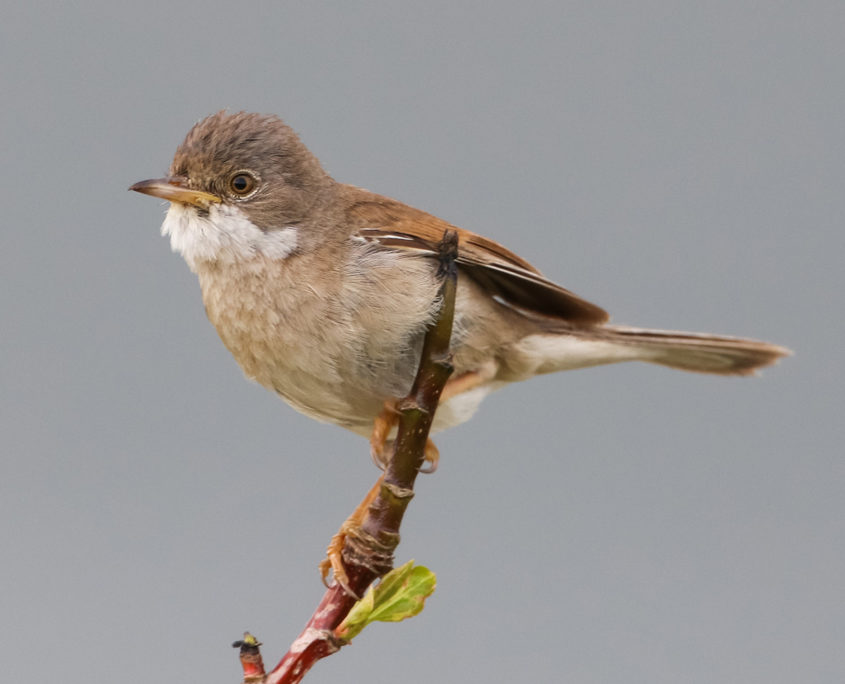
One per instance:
(508,278)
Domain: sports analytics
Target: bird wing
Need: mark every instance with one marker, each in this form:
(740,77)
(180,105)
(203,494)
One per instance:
(508,278)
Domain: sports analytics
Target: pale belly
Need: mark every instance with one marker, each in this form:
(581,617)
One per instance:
(325,352)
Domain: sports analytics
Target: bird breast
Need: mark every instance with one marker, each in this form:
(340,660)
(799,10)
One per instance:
(334,347)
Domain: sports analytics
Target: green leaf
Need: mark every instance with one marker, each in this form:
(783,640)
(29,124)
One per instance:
(358,617)
(400,594)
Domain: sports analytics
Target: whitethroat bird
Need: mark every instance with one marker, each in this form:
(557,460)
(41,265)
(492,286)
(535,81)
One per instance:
(323,291)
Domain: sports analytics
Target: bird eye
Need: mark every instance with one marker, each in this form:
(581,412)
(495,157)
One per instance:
(242,183)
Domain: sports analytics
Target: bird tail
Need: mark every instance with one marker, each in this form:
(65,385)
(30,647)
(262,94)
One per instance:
(698,352)
(703,353)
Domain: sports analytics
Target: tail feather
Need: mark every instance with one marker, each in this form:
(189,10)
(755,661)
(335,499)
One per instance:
(695,351)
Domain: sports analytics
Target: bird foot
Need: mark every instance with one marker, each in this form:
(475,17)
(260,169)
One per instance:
(381,446)
(349,530)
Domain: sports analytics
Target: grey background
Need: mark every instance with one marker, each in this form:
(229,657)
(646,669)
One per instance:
(680,164)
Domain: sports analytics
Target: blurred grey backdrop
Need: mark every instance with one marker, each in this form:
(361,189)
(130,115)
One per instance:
(680,164)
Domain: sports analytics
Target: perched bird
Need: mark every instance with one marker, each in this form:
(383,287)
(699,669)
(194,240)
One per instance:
(322,291)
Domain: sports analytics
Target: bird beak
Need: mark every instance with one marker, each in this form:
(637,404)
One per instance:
(174,189)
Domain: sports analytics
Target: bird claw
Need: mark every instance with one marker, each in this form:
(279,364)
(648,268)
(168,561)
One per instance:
(333,562)
(432,458)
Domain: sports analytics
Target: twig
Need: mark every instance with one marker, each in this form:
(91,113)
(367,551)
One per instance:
(368,553)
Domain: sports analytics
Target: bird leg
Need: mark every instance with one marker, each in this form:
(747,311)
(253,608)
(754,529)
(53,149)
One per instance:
(380,443)
(334,553)
(386,421)
(383,425)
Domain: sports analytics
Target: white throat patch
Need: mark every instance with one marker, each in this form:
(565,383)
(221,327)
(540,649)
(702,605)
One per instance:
(224,234)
